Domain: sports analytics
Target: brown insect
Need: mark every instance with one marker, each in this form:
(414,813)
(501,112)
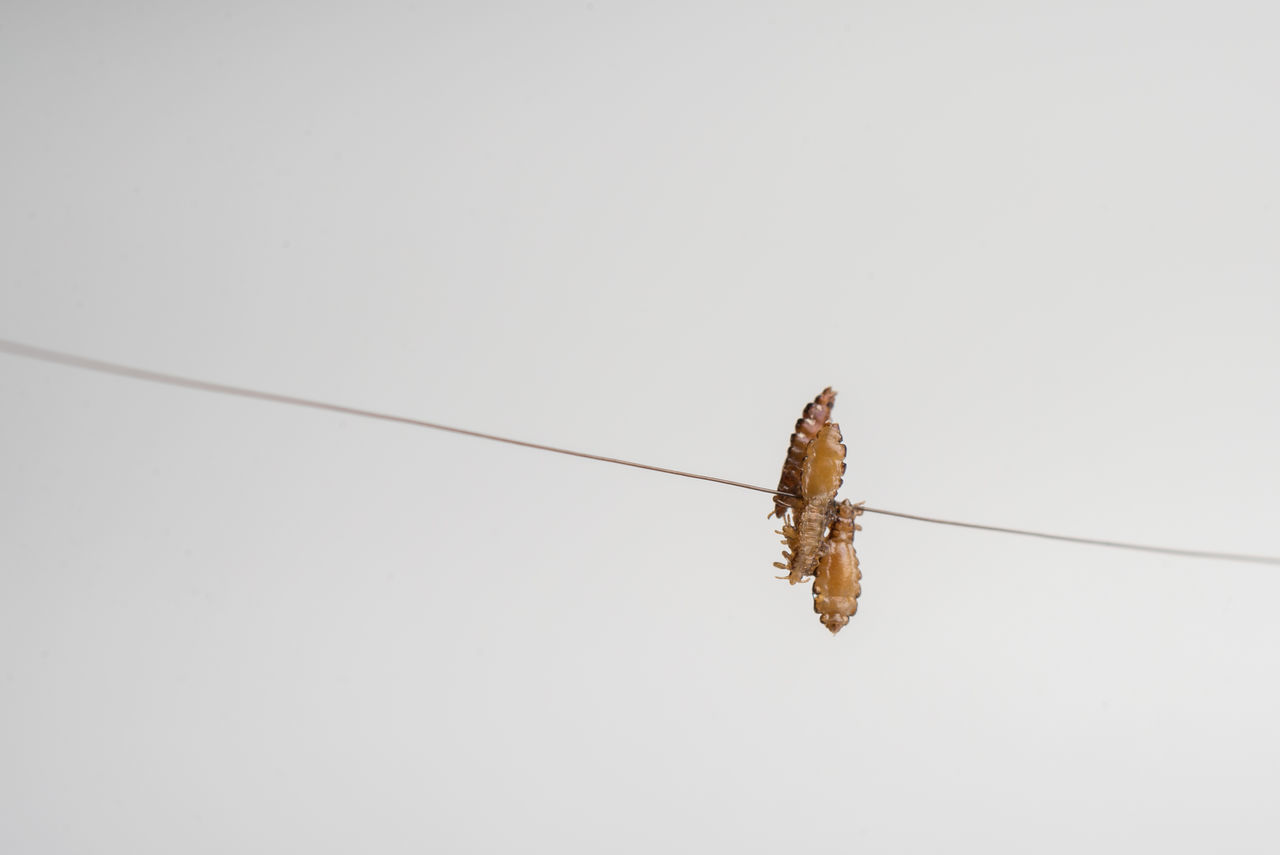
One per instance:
(821,474)
(807,427)
(838,580)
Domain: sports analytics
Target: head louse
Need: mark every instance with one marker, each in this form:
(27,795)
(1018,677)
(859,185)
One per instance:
(837,582)
(815,416)
(821,475)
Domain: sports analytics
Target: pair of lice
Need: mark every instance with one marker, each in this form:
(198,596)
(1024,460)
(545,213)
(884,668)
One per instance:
(814,469)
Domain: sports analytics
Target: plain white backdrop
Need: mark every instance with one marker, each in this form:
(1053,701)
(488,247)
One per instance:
(1032,245)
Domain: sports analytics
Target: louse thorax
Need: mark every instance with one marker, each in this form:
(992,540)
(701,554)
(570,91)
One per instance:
(837,583)
(810,422)
(820,479)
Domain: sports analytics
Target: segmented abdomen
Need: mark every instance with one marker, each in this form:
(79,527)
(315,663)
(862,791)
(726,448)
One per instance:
(837,582)
(815,416)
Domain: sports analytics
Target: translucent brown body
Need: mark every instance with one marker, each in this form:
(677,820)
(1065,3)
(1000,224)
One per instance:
(820,477)
(837,583)
(815,416)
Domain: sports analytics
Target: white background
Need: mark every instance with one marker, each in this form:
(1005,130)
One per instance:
(1032,245)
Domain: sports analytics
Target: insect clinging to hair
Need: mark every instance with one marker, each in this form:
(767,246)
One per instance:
(818,531)
(820,477)
(789,507)
(837,583)
(810,422)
